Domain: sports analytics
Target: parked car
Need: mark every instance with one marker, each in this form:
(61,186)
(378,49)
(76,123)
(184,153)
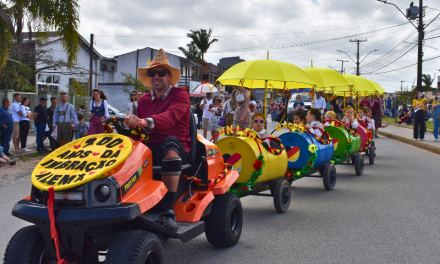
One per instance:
(306,99)
(115,112)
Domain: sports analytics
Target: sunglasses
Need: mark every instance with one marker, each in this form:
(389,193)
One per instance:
(260,121)
(161,73)
(217,100)
(133,95)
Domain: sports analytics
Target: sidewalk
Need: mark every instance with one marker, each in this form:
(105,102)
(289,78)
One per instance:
(30,144)
(405,135)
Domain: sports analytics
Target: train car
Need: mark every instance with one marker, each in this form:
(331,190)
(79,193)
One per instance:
(367,144)
(347,147)
(306,155)
(260,167)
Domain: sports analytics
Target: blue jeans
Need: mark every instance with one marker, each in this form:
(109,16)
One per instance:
(273,115)
(436,121)
(6,137)
(41,130)
(199,122)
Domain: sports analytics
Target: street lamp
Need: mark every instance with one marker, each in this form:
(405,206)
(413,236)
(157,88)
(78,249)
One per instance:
(357,63)
(411,14)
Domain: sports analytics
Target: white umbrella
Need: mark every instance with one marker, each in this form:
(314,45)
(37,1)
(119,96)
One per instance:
(204,88)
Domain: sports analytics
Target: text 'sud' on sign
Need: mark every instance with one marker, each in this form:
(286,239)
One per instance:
(81,161)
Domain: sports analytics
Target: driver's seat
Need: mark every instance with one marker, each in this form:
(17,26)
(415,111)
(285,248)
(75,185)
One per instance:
(193,151)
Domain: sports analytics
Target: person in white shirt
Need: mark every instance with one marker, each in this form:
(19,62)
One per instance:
(24,123)
(319,102)
(349,121)
(230,109)
(362,116)
(131,108)
(206,114)
(314,122)
(253,107)
(16,117)
(258,126)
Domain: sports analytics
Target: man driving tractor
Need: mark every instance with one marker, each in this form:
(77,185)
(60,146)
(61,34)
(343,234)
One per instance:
(165,113)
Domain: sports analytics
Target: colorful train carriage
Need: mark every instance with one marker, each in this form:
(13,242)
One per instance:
(347,147)
(367,143)
(260,168)
(307,155)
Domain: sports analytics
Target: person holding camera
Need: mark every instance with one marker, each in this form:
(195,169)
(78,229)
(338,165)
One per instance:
(419,104)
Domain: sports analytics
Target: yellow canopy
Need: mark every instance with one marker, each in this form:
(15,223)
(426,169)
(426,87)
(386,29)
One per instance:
(360,85)
(327,78)
(278,74)
(378,87)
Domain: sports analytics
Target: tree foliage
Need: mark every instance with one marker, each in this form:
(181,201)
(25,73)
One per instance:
(428,81)
(14,75)
(201,39)
(59,15)
(192,52)
(131,83)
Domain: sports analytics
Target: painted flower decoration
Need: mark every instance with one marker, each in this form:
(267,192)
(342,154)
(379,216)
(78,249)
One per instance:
(301,129)
(349,140)
(298,173)
(312,148)
(258,164)
(289,174)
(309,163)
(333,162)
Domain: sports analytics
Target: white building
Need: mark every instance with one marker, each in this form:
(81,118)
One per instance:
(112,82)
(57,79)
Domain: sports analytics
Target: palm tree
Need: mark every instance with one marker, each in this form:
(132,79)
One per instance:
(59,15)
(201,40)
(192,53)
(427,80)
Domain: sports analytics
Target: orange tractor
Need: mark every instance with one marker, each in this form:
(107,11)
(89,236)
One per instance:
(98,199)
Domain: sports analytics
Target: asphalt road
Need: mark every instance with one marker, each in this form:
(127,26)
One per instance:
(390,214)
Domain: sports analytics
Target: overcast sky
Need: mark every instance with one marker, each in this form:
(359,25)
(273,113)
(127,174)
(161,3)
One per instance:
(293,31)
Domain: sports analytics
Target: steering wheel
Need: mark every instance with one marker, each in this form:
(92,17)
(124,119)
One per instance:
(138,133)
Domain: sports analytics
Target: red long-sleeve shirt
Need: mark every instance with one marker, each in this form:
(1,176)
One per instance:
(171,116)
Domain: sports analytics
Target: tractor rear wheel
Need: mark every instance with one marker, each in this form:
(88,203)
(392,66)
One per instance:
(224,224)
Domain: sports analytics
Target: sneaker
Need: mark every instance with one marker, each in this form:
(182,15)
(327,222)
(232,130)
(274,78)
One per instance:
(41,151)
(422,139)
(435,140)
(415,139)
(25,150)
(8,154)
(45,150)
(11,161)
(168,220)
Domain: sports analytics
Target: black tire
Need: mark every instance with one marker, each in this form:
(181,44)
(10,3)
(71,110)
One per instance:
(329,177)
(371,154)
(281,196)
(224,224)
(27,246)
(359,164)
(135,247)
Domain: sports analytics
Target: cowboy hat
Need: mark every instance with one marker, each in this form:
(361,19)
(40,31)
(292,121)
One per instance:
(160,59)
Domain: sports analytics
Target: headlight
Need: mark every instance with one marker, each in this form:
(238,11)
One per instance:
(102,193)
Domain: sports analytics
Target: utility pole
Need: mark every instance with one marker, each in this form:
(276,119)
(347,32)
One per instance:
(137,64)
(91,64)
(357,63)
(342,67)
(401,82)
(420,49)
(414,12)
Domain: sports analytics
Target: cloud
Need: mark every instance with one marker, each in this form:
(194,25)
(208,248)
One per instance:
(124,26)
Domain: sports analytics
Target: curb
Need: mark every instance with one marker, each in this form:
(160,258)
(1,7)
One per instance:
(412,142)
(407,127)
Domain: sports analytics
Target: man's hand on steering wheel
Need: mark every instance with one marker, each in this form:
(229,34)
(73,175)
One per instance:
(133,121)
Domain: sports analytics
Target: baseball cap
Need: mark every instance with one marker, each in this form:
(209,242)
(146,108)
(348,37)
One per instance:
(43,98)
